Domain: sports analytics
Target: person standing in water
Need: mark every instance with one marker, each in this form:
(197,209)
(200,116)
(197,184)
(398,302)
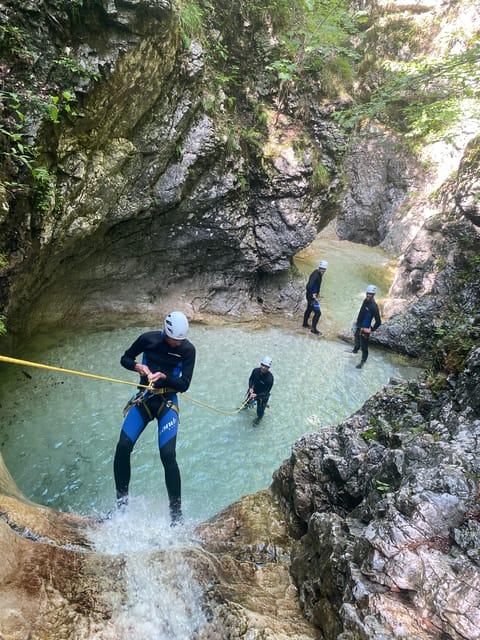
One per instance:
(313,294)
(260,384)
(167,364)
(363,327)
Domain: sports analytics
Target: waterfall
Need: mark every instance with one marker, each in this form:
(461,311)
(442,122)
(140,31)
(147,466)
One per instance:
(163,600)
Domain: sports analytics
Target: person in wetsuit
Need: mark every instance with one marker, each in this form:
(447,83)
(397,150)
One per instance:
(260,384)
(363,327)
(312,294)
(167,363)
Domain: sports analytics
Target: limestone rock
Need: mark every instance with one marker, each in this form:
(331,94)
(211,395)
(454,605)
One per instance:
(388,501)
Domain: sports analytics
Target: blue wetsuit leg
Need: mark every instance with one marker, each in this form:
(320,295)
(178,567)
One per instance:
(167,440)
(167,426)
(133,425)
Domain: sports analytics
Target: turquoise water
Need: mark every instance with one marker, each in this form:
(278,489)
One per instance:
(351,267)
(58,431)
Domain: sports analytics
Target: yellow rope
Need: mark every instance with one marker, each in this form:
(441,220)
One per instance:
(97,377)
(208,406)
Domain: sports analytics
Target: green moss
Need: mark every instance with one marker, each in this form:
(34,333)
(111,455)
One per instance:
(320,178)
(437,382)
(337,77)
(191,16)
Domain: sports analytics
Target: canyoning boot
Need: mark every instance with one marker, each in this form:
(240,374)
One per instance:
(122,503)
(305,325)
(360,364)
(306,318)
(176,516)
(354,350)
(315,331)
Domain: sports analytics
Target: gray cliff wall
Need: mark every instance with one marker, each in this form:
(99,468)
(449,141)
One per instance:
(154,198)
(387,514)
(163,191)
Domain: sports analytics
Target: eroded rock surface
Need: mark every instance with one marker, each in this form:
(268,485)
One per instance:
(389,501)
(52,584)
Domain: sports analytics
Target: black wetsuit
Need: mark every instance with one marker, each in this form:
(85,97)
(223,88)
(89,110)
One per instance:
(177,363)
(313,305)
(368,313)
(261,383)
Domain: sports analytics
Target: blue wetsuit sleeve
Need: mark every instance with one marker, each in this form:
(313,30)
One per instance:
(182,381)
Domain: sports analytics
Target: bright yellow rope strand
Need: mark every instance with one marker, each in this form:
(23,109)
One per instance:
(97,377)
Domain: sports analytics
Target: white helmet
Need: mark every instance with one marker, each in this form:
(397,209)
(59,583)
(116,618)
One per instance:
(176,325)
(371,289)
(323,264)
(266,361)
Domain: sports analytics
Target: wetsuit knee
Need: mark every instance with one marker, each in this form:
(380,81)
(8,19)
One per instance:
(121,464)
(168,454)
(124,445)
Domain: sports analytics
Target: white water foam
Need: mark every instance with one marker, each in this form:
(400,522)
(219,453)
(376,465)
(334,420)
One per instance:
(163,598)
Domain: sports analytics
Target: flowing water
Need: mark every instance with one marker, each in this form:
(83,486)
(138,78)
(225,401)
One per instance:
(58,432)
(164,600)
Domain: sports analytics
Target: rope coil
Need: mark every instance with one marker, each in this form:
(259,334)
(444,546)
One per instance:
(38,365)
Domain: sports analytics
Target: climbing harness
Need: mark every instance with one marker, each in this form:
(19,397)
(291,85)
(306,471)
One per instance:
(148,387)
(140,398)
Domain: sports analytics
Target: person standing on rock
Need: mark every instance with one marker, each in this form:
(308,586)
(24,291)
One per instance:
(167,364)
(313,294)
(260,384)
(363,327)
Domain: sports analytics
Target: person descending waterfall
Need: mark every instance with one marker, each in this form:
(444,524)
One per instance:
(260,384)
(167,364)
(313,294)
(363,327)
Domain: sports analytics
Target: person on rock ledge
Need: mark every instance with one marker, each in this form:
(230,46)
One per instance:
(260,384)
(363,327)
(167,365)
(312,294)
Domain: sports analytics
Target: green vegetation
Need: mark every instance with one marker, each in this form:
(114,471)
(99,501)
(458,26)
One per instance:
(191,16)
(313,42)
(3,329)
(320,179)
(382,487)
(424,98)
(315,49)
(43,189)
(18,152)
(13,43)
(309,51)
(75,69)
(453,346)
(58,103)
(19,168)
